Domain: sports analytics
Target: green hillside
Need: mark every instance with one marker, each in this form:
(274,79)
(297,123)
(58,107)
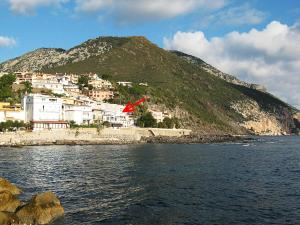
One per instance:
(203,98)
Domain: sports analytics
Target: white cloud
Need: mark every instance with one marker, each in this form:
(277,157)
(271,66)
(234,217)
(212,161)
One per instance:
(270,56)
(134,10)
(29,6)
(7,42)
(239,15)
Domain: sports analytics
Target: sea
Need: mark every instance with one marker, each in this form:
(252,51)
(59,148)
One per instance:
(244,183)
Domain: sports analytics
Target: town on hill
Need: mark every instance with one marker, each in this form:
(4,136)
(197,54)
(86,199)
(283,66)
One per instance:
(41,101)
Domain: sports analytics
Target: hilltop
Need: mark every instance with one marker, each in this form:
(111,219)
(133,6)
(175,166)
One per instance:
(204,98)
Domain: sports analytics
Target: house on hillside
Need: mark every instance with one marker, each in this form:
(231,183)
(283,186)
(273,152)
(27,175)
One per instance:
(99,83)
(125,83)
(22,77)
(52,85)
(159,116)
(72,90)
(99,95)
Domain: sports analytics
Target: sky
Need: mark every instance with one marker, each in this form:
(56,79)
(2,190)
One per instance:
(258,41)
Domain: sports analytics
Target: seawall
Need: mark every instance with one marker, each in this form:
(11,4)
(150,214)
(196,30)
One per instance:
(88,136)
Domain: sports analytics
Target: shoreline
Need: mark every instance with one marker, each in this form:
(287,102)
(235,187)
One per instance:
(144,140)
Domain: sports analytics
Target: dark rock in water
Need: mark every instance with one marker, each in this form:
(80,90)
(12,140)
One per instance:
(41,209)
(7,186)
(8,219)
(8,202)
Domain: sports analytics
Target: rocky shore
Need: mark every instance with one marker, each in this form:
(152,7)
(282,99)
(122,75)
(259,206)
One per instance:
(196,139)
(41,209)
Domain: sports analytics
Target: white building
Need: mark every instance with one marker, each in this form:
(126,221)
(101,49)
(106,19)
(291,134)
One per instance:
(157,115)
(44,112)
(80,114)
(113,114)
(53,85)
(125,83)
(72,90)
(99,83)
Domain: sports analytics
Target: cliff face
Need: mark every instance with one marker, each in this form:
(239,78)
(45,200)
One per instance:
(203,97)
(257,120)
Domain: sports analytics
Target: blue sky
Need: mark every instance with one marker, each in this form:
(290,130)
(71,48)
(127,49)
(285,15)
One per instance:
(178,24)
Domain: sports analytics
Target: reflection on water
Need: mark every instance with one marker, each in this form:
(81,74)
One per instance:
(254,183)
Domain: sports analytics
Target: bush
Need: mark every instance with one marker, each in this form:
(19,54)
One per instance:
(169,123)
(147,120)
(12,125)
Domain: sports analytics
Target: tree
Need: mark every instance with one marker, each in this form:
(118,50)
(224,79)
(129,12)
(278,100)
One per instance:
(6,92)
(72,124)
(106,77)
(147,120)
(27,87)
(83,82)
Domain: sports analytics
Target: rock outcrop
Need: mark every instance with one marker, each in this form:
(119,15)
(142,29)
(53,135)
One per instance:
(7,186)
(257,120)
(9,219)
(8,202)
(297,117)
(41,209)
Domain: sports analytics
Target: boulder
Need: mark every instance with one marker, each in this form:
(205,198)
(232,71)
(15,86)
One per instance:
(8,219)
(7,186)
(42,209)
(8,202)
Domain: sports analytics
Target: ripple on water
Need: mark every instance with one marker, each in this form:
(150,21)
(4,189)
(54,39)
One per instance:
(165,184)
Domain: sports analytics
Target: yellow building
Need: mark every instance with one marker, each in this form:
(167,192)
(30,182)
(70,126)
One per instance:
(8,112)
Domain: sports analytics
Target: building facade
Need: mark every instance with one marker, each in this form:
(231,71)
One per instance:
(99,95)
(44,112)
(113,114)
(80,114)
(52,85)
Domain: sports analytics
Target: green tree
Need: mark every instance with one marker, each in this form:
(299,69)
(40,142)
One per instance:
(6,91)
(147,120)
(83,82)
(27,87)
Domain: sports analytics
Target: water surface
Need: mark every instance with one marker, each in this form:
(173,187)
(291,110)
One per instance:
(237,183)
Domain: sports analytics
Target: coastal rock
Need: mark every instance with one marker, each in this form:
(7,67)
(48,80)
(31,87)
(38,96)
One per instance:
(8,219)
(42,209)
(8,202)
(7,186)
(297,117)
(257,120)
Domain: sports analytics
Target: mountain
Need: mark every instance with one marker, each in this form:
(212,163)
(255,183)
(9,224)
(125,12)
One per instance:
(204,98)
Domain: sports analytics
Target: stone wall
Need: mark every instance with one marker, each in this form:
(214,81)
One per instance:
(92,135)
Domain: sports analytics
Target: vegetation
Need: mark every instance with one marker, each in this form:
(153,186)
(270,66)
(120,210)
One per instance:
(13,126)
(146,120)
(27,87)
(73,125)
(169,123)
(83,83)
(129,94)
(6,92)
